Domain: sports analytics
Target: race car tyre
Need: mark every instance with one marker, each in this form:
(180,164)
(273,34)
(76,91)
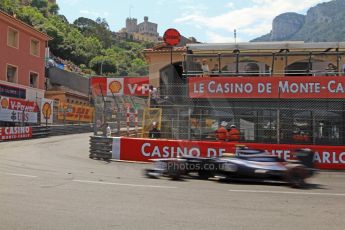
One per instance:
(296,176)
(204,175)
(151,173)
(176,169)
(175,175)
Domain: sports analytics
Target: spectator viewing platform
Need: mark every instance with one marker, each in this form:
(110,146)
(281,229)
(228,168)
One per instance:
(266,59)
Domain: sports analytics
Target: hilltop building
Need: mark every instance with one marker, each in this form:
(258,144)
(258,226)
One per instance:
(145,31)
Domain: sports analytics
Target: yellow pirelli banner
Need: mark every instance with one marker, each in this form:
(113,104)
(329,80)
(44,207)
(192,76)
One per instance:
(73,112)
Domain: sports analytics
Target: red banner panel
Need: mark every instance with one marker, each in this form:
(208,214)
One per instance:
(136,86)
(132,149)
(129,86)
(99,86)
(267,87)
(15,133)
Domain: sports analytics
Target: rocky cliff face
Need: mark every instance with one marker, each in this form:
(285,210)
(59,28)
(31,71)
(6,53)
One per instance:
(286,25)
(324,22)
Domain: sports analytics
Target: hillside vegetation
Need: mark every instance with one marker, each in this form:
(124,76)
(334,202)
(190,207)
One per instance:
(87,43)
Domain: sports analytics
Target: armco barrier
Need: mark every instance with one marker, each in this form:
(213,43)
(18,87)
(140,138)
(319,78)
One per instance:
(40,131)
(101,148)
(23,132)
(57,130)
(139,149)
(45,131)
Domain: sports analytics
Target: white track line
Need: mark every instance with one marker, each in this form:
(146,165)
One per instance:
(289,193)
(119,184)
(20,175)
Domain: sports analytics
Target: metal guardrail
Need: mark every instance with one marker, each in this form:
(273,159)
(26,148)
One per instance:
(101,148)
(58,130)
(40,131)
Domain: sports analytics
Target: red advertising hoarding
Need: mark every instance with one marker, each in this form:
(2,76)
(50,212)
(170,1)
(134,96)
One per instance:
(99,86)
(18,110)
(134,149)
(138,86)
(15,133)
(300,87)
(129,86)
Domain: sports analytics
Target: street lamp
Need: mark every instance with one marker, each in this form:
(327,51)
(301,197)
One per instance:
(102,66)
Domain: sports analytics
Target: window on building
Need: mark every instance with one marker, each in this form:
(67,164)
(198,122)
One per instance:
(12,73)
(35,47)
(13,38)
(33,80)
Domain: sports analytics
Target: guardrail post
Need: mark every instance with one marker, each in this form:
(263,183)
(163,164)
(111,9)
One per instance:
(136,123)
(128,120)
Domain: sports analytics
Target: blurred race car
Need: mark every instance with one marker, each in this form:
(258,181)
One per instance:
(245,163)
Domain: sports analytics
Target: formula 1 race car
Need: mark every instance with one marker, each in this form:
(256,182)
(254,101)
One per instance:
(245,163)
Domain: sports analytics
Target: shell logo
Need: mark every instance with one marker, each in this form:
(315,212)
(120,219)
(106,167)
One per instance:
(46,110)
(115,86)
(4,103)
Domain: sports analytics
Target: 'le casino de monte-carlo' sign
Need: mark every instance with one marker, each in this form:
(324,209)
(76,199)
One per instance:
(267,87)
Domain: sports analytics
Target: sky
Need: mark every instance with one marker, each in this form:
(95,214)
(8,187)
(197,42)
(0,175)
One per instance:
(207,20)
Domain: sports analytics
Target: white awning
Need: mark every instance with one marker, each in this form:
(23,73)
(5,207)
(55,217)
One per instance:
(293,45)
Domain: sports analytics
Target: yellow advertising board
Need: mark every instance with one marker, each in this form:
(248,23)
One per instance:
(73,112)
(151,115)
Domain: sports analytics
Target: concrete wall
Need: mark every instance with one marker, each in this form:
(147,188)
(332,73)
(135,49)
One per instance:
(68,79)
(157,61)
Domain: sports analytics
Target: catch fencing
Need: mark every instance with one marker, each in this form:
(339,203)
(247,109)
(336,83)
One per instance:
(276,120)
(280,121)
(123,114)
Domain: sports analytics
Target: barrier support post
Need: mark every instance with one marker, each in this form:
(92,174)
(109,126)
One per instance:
(127,120)
(136,123)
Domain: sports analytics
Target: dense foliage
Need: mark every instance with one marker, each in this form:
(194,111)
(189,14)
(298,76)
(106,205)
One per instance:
(85,42)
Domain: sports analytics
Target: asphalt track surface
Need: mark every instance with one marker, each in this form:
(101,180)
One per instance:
(52,184)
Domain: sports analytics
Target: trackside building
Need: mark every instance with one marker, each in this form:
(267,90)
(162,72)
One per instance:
(22,75)
(275,92)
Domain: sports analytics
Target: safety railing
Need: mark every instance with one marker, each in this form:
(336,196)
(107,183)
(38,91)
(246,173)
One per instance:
(100,148)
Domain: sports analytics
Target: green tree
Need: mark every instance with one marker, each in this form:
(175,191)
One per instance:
(98,28)
(85,25)
(86,42)
(9,6)
(103,65)
(41,5)
(31,16)
(53,9)
(92,47)
(139,67)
